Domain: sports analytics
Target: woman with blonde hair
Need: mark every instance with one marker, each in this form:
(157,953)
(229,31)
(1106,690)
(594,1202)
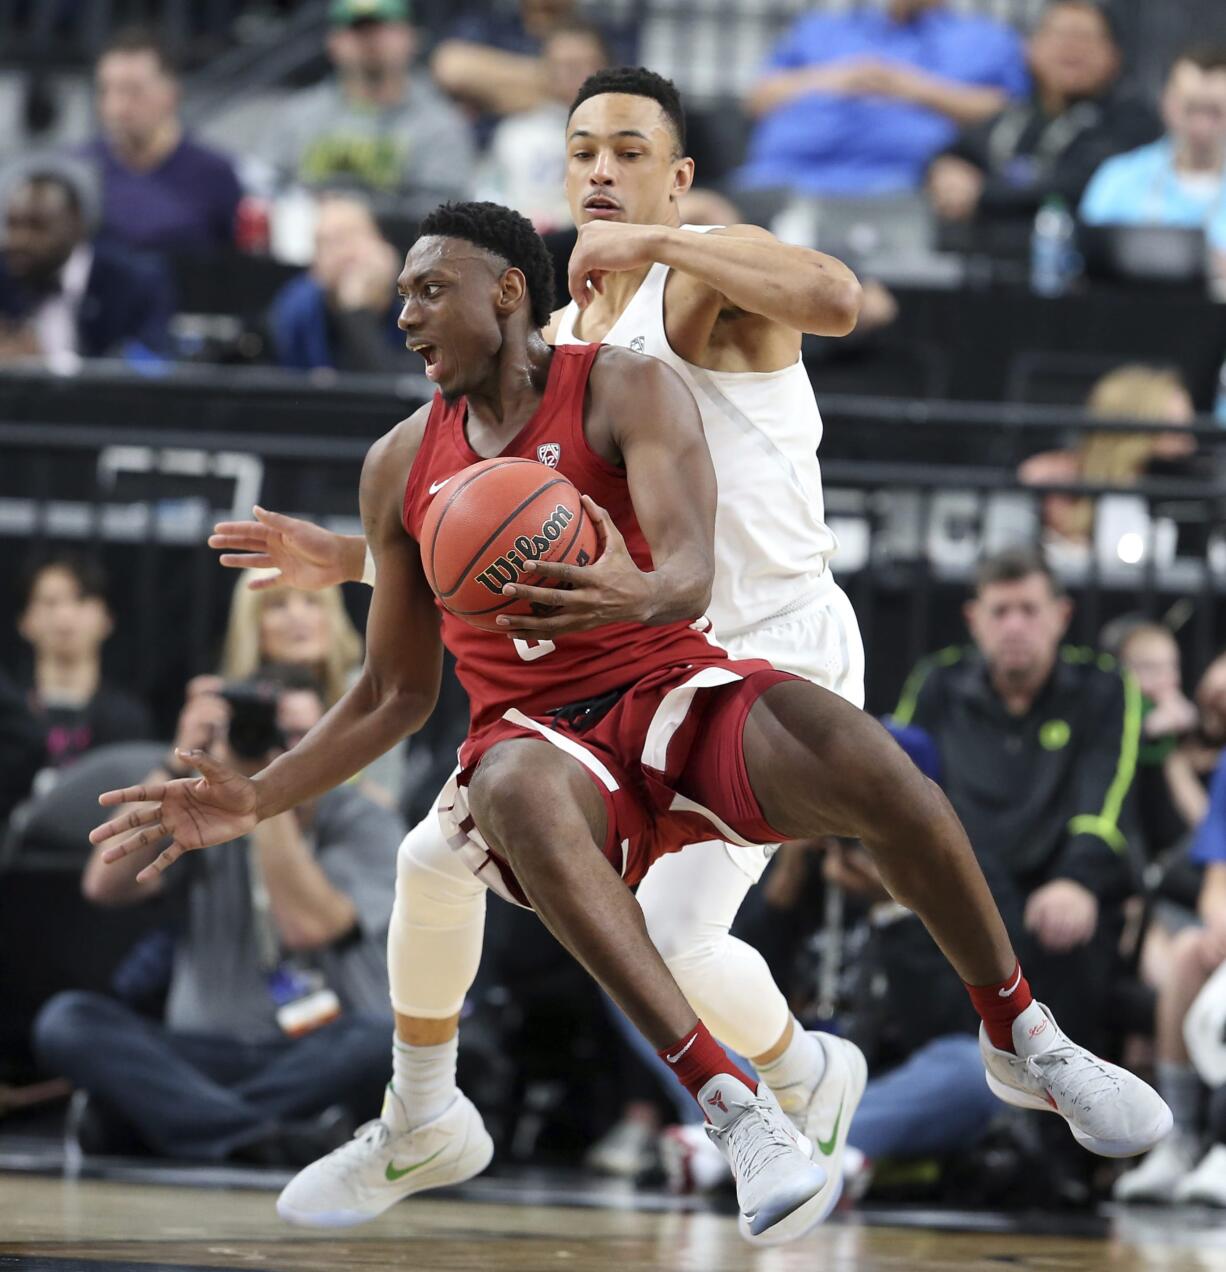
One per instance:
(279,624)
(1118,459)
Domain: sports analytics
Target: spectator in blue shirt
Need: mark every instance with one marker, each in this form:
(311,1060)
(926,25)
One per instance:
(858,103)
(161,191)
(342,313)
(1181,179)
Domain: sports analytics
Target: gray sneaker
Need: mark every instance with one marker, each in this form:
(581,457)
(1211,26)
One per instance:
(778,1185)
(1109,1110)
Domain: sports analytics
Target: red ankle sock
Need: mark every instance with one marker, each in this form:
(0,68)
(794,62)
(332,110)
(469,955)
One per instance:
(1000,1005)
(696,1058)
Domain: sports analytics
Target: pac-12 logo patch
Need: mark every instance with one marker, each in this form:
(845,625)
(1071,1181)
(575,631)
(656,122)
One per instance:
(549,453)
(638,344)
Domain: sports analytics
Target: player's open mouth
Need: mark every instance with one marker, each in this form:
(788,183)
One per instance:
(432,359)
(601,206)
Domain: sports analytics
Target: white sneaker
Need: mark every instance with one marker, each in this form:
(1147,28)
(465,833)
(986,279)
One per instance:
(823,1113)
(626,1151)
(1109,1110)
(1156,1178)
(692,1163)
(379,1167)
(777,1182)
(1207,1183)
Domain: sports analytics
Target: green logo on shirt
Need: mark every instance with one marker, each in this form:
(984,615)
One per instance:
(1054,735)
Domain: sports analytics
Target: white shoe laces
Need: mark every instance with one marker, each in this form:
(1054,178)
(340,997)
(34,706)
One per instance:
(751,1149)
(1081,1075)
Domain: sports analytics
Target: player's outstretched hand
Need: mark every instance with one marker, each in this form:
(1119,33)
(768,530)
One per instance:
(304,555)
(610,590)
(193,812)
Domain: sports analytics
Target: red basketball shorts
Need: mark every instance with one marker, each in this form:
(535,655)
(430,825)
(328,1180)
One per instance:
(666,757)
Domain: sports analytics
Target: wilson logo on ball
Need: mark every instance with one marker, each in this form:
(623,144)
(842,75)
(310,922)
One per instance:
(517,559)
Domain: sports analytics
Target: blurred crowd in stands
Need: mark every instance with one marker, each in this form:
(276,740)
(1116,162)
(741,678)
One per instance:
(248,1006)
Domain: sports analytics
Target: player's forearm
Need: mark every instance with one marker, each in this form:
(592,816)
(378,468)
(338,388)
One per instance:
(307,910)
(353,556)
(367,722)
(794,286)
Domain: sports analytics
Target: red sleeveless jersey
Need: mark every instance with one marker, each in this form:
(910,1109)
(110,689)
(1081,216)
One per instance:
(535,677)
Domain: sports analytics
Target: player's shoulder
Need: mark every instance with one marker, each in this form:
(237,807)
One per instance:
(620,375)
(398,447)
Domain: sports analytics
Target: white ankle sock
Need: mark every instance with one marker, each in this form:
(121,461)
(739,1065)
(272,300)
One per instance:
(423,1083)
(803,1062)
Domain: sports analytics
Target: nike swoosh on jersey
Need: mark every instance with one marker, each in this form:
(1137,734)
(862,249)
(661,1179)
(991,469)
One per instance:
(435,487)
(392,1174)
(826,1146)
(1004,993)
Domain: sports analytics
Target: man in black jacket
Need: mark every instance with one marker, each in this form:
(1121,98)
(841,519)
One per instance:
(63,295)
(1000,172)
(1038,746)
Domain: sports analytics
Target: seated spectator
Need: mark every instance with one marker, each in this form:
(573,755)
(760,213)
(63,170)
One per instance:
(525,164)
(1180,180)
(375,126)
(1038,750)
(857,103)
(493,61)
(284,932)
(65,619)
(342,313)
(1115,459)
(1170,1172)
(1051,143)
(161,190)
(272,624)
(64,296)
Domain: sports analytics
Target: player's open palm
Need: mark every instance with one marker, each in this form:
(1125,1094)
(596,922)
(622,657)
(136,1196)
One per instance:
(304,555)
(193,812)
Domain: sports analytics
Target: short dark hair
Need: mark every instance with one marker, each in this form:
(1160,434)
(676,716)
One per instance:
(138,39)
(1208,57)
(73,196)
(1011,565)
(637,81)
(87,572)
(507,235)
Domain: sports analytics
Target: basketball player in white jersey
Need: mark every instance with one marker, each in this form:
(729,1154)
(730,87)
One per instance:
(726,309)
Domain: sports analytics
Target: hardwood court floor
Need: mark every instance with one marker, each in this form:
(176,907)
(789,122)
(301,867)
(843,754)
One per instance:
(49,1225)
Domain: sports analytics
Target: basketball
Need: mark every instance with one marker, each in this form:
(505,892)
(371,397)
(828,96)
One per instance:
(489,524)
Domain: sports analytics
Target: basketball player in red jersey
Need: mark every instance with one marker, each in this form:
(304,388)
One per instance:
(670,741)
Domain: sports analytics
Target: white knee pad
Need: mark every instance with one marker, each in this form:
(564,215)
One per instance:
(689,900)
(438,921)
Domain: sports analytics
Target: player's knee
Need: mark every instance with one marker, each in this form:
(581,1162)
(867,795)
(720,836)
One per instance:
(506,796)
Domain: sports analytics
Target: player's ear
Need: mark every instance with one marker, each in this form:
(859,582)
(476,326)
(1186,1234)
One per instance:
(512,289)
(683,177)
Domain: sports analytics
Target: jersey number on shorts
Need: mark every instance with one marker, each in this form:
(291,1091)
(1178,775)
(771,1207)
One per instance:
(531,650)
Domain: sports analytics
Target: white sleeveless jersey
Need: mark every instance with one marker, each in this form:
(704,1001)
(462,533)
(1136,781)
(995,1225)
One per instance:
(771,542)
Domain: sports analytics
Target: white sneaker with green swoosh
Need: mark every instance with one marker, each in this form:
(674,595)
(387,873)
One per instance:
(378,1168)
(823,1114)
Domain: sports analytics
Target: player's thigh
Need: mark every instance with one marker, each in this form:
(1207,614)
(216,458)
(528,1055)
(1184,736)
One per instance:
(690,898)
(817,764)
(527,793)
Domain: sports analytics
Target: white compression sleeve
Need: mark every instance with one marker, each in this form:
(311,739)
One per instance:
(438,922)
(689,899)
